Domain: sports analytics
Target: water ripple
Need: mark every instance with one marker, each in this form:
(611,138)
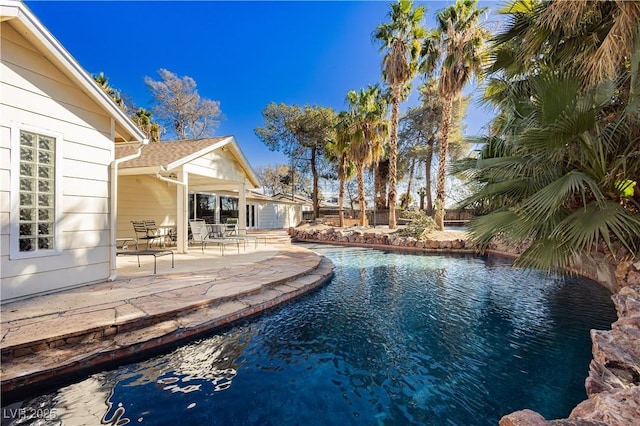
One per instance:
(393,339)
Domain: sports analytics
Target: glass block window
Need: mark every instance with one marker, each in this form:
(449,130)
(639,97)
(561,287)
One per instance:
(36,222)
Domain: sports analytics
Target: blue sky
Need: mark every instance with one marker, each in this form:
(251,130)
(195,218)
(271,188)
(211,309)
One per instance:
(243,54)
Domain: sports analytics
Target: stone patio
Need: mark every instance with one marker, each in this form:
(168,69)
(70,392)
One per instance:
(67,332)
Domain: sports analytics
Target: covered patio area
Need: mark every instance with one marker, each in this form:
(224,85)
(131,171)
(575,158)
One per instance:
(173,182)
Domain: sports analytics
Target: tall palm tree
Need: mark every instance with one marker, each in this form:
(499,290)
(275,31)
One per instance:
(401,40)
(461,41)
(337,151)
(369,129)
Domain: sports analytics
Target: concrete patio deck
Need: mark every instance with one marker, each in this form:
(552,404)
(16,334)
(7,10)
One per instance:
(49,336)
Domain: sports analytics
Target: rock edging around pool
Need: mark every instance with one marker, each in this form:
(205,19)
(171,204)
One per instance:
(381,240)
(613,384)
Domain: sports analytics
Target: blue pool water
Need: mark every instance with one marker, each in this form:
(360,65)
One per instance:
(393,339)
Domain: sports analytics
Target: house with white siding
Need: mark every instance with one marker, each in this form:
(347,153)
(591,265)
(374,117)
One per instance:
(58,171)
(277,212)
(172,182)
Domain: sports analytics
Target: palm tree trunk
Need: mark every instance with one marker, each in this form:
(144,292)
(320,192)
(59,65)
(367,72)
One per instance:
(405,201)
(341,190)
(361,199)
(442,161)
(427,181)
(393,156)
(380,184)
(314,173)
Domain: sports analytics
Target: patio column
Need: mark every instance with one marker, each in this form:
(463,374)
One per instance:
(242,208)
(182,213)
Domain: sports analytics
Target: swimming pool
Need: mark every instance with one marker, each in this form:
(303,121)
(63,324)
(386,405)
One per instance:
(393,339)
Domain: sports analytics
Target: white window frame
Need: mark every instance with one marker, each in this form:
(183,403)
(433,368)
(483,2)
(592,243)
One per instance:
(14,227)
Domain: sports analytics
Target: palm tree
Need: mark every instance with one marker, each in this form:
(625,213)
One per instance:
(564,150)
(401,39)
(461,41)
(594,37)
(368,130)
(103,82)
(142,118)
(337,151)
(557,176)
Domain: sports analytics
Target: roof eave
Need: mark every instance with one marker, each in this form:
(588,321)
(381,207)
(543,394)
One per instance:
(184,160)
(54,51)
(236,151)
(244,162)
(148,170)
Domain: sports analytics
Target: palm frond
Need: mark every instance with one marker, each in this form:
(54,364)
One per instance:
(574,186)
(482,229)
(603,221)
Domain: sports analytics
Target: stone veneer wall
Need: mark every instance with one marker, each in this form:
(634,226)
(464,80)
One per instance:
(613,384)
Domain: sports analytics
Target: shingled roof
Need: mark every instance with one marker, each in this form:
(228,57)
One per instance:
(163,153)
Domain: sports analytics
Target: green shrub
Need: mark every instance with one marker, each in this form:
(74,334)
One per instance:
(419,227)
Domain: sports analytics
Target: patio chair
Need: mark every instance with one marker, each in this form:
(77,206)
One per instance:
(232,231)
(202,235)
(222,230)
(231,226)
(146,230)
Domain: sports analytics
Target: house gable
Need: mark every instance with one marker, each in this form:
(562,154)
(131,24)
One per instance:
(217,158)
(19,25)
(57,133)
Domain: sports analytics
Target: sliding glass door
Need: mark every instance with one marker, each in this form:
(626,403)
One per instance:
(203,206)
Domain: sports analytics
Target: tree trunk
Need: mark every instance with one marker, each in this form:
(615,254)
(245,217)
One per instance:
(341,191)
(314,172)
(442,161)
(361,199)
(405,202)
(293,186)
(380,184)
(427,182)
(393,156)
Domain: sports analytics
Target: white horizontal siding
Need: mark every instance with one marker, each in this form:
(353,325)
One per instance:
(86,169)
(218,166)
(71,270)
(16,50)
(87,239)
(23,102)
(82,204)
(84,188)
(266,216)
(145,198)
(37,94)
(70,258)
(4,231)
(82,145)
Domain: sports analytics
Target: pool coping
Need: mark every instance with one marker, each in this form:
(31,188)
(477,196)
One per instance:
(43,353)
